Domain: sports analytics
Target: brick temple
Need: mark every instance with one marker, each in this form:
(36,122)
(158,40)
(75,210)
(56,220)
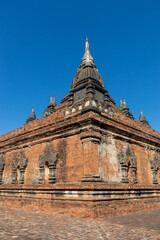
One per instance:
(85,157)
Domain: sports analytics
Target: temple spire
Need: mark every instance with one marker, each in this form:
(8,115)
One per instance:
(32,116)
(87,58)
(50,108)
(87,82)
(142,118)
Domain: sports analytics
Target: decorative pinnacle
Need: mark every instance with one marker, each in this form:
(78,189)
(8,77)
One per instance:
(121,103)
(87,44)
(32,116)
(141,115)
(50,108)
(52,101)
(142,118)
(87,58)
(124,104)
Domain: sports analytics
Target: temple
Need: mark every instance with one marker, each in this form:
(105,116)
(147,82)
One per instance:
(84,157)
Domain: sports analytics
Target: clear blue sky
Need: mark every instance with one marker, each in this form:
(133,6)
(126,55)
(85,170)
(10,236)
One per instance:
(42,43)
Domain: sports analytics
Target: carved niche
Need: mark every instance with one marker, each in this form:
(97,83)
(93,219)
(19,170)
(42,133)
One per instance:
(2,165)
(155,168)
(47,165)
(128,164)
(19,167)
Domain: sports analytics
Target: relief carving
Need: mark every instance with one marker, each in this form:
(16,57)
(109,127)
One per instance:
(128,164)
(47,165)
(2,165)
(19,167)
(107,138)
(155,167)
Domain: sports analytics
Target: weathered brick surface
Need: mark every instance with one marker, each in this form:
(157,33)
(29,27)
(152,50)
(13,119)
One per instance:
(73,151)
(92,146)
(81,200)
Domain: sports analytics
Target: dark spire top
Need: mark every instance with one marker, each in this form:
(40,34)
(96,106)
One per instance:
(50,108)
(87,70)
(32,116)
(142,118)
(126,111)
(87,81)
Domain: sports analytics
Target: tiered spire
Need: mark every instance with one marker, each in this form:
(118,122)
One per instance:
(125,109)
(32,116)
(87,58)
(87,69)
(142,118)
(50,108)
(87,82)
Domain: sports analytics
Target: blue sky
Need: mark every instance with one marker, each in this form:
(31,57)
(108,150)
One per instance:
(42,43)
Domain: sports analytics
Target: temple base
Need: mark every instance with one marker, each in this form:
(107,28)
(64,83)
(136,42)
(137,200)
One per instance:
(81,200)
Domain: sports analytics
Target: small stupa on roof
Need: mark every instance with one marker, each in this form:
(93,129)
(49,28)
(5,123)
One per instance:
(50,108)
(32,116)
(125,109)
(142,118)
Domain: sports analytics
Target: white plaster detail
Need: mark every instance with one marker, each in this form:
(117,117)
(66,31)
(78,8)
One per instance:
(73,110)
(86,104)
(7,178)
(94,103)
(109,168)
(111,114)
(67,113)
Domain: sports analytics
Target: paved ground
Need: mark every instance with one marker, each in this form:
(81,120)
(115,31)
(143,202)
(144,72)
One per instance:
(23,225)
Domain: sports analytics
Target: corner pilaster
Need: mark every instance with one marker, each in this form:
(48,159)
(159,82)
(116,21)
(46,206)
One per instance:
(90,142)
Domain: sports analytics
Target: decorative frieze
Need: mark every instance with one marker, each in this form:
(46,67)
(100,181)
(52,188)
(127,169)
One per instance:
(2,165)
(19,167)
(128,164)
(48,162)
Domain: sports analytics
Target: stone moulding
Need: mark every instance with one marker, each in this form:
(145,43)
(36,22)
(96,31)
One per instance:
(48,158)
